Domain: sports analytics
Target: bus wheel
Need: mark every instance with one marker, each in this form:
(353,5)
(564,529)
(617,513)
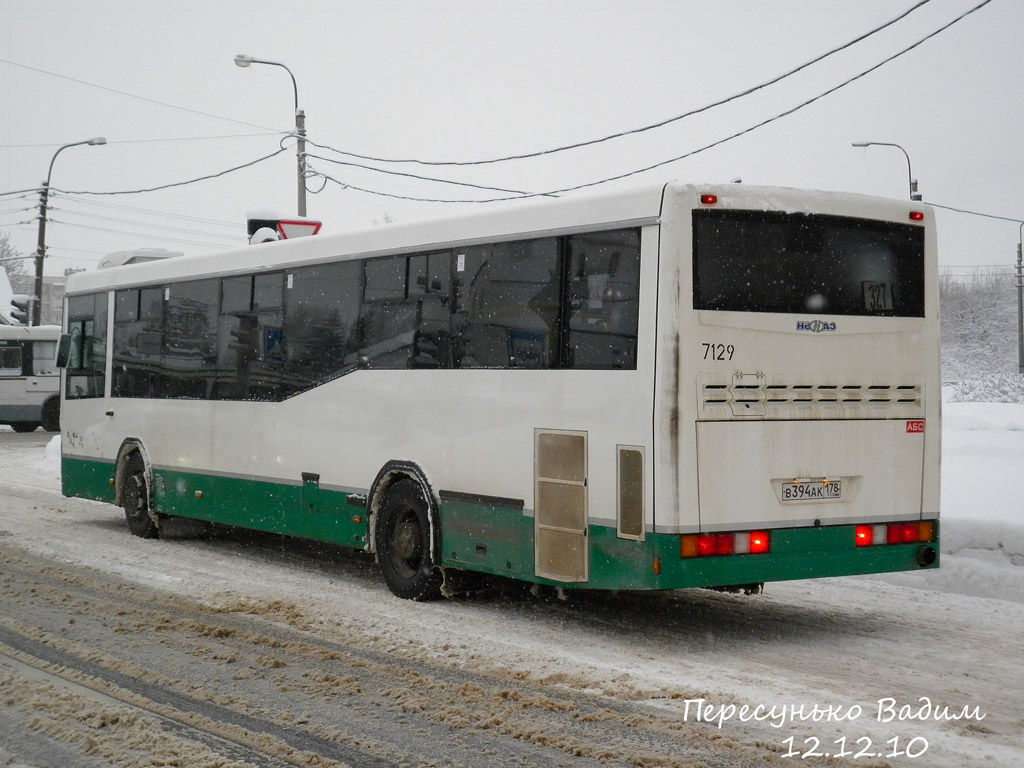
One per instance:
(51,415)
(403,543)
(136,499)
(24,426)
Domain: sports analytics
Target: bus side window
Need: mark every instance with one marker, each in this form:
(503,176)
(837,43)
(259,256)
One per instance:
(10,359)
(320,323)
(43,353)
(603,300)
(87,359)
(506,309)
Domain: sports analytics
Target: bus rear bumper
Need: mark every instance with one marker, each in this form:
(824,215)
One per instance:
(794,553)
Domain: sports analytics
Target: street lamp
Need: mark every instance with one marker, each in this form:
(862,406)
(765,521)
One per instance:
(914,195)
(242,60)
(44,198)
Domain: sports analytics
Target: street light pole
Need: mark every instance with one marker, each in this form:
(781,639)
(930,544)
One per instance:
(1020,302)
(243,60)
(44,199)
(914,195)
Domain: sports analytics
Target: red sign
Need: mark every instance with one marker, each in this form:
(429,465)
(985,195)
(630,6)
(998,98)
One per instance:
(290,229)
(915,426)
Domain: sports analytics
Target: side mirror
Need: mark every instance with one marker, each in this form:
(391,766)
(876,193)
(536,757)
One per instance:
(63,350)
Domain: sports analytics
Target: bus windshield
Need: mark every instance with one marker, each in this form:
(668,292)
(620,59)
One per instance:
(796,263)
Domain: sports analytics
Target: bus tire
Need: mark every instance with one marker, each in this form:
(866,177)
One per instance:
(51,415)
(135,498)
(24,426)
(403,543)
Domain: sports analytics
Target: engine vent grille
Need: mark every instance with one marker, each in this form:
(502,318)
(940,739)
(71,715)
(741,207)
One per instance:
(754,395)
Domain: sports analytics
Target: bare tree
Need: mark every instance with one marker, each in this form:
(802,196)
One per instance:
(11,259)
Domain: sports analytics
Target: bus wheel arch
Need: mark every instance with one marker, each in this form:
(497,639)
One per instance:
(405,532)
(133,484)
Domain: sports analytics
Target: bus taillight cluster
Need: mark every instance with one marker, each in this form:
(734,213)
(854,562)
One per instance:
(894,533)
(707,544)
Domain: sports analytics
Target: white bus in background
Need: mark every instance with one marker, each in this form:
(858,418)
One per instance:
(677,386)
(29,378)
(135,256)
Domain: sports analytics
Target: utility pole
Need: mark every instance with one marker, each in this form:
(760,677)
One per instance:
(1020,304)
(44,199)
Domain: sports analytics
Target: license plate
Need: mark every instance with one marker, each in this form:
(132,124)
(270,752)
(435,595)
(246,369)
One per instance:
(812,491)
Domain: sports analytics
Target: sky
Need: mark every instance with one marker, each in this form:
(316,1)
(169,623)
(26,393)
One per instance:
(469,81)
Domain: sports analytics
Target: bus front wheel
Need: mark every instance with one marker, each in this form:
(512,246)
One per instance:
(51,415)
(403,543)
(136,499)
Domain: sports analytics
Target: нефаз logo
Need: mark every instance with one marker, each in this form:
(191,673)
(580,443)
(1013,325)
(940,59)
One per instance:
(814,326)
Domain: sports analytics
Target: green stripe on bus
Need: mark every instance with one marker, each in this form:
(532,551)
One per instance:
(491,538)
(87,479)
(795,553)
(306,511)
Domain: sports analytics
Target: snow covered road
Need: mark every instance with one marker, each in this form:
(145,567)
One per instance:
(307,640)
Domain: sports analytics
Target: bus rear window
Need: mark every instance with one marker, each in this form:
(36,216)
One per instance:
(795,263)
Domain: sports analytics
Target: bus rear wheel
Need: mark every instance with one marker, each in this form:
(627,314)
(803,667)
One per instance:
(24,426)
(403,543)
(136,499)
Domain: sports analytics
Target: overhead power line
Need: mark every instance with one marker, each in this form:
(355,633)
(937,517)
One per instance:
(394,196)
(151,212)
(976,213)
(158,141)
(415,176)
(784,113)
(19,192)
(147,225)
(633,131)
(653,166)
(140,234)
(176,183)
(133,95)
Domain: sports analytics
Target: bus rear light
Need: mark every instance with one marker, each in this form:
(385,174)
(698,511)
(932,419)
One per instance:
(723,544)
(894,533)
(902,533)
(707,199)
(758,542)
(917,215)
(688,546)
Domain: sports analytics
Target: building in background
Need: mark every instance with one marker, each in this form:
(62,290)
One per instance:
(53,295)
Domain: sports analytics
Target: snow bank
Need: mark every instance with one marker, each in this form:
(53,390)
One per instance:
(990,388)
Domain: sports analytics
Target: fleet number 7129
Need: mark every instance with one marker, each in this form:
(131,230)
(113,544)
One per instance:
(718,351)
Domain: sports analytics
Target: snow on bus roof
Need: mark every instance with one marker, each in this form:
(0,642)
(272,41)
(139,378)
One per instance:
(537,217)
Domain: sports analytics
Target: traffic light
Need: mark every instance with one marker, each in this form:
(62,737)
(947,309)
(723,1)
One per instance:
(246,339)
(21,308)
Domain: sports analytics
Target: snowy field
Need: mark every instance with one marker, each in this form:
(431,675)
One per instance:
(952,634)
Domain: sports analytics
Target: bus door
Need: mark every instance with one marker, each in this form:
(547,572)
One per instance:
(560,494)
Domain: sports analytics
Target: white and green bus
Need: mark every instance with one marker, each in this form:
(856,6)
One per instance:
(29,379)
(676,386)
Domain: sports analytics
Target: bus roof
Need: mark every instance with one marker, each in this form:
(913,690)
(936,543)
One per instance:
(535,218)
(520,219)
